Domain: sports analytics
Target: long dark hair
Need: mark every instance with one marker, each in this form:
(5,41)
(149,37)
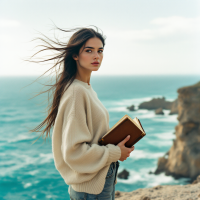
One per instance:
(66,67)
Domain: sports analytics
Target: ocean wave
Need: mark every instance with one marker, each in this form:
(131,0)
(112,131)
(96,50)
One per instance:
(19,138)
(126,102)
(33,172)
(165,135)
(118,109)
(150,180)
(27,185)
(169,118)
(160,143)
(139,154)
(132,101)
(19,160)
(146,114)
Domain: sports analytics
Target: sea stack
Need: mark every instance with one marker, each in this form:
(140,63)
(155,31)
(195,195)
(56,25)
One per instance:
(183,159)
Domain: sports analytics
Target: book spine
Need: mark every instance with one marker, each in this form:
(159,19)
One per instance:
(138,139)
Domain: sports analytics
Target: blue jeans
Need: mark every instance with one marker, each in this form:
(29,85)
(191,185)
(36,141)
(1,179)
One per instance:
(108,192)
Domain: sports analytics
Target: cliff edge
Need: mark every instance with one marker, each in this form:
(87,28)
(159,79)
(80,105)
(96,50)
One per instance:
(164,192)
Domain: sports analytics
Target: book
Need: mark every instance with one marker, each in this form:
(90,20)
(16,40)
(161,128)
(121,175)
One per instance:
(124,127)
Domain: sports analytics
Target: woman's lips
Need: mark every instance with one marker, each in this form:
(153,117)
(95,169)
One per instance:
(95,64)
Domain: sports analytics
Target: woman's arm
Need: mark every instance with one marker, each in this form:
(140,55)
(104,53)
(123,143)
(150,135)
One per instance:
(82,157)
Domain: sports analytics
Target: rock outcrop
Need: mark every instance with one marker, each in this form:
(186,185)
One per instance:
(131,108)
(159,111)
(183,158)
(174,107)
(164,192)
(156,103)
(123,175)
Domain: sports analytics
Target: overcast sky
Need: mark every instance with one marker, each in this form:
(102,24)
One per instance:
(143,36)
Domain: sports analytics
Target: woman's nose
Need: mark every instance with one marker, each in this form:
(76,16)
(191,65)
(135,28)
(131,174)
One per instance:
(96,55)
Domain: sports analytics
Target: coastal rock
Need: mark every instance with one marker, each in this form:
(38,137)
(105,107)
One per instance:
(131,108)
(117,194)
(124,174)
(164,192)
(161,165)
(156,103)
(159,111)
(197,180)
(174,107)
(184,156)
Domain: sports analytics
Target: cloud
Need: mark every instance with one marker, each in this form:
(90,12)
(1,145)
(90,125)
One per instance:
(161,27)
(172,25)
(6,23)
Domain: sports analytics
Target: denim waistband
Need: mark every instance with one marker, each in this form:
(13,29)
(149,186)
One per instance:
(115,164)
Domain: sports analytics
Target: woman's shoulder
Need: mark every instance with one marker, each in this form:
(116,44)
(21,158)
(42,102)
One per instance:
(75,90)
(73,96)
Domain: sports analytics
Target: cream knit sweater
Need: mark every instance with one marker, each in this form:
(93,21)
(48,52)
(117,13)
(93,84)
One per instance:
(81,121)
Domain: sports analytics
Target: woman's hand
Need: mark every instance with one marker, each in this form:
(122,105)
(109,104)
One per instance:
(125,152)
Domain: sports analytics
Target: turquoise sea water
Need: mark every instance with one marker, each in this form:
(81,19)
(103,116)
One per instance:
(28,171)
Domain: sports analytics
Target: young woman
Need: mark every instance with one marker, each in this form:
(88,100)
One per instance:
(79,120)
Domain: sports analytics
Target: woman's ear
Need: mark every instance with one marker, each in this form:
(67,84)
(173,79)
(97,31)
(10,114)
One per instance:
(75,57)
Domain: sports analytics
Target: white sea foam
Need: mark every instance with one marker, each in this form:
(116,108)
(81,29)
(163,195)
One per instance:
(148,115)
(32,172)
(51,197)
(118,109)
(127,102)
(166,117)
(116,106)
(161,143)
(154,180)
(21,161)
(122,105)
(20,137)
(46,157)
(138,154)
(141,114)
(27,185)
(133,177)
(165,135)
(142,111)
(150,180)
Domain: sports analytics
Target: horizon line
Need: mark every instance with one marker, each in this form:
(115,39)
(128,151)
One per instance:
(106,75)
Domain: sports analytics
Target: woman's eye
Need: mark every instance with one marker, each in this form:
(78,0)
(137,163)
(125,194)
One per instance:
(89,51)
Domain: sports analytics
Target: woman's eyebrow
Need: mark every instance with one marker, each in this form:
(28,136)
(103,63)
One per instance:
(93,47)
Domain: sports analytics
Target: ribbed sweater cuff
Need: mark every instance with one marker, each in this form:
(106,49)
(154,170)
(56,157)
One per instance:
(114,153)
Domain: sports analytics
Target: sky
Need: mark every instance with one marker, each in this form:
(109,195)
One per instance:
(160,37)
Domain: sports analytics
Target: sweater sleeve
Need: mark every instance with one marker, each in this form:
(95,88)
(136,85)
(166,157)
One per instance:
(77,151)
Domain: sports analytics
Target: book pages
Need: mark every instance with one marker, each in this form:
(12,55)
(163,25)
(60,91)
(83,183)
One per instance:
(136,123)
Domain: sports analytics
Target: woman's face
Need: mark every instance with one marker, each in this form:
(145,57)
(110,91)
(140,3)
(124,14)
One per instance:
(90,56)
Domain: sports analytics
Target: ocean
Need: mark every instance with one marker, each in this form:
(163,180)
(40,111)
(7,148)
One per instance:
(28,171)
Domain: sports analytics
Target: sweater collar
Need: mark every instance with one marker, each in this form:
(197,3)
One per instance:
(83,83)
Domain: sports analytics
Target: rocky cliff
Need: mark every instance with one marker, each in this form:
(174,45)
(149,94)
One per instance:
(183,158)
